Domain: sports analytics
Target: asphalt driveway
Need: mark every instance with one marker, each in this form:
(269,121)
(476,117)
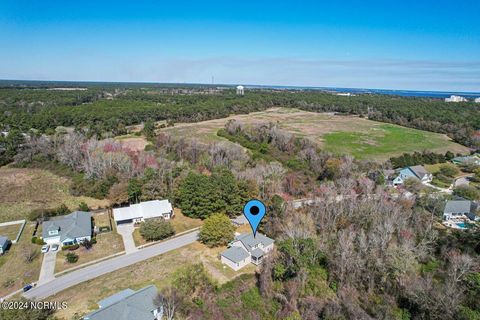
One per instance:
(84,274)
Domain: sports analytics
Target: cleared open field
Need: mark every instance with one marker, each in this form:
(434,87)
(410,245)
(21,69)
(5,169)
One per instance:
(158,270)
(362,138)
(10,231)
(22,190)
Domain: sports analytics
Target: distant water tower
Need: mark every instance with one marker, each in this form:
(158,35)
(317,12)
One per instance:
(240,90)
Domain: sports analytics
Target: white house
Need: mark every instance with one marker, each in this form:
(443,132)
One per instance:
(144,210)
(415,172)
(477,100)
(246,249)
(240,90)
(454,98)
(463,209)
(73,228)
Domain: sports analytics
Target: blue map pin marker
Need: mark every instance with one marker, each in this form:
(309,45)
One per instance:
(254,211)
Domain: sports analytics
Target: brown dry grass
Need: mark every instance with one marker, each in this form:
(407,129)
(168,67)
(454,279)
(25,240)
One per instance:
(14,269)
(10,231)
(133,143)
(158,271)
(311,125)
(22,190)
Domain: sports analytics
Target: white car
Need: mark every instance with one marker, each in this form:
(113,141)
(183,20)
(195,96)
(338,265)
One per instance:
(45,248)
(54,247)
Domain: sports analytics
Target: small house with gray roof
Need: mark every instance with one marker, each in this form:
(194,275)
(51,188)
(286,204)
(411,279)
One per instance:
(4,243)
(72,228)
(414,172)
(129,305)
(245,249)
(459,209)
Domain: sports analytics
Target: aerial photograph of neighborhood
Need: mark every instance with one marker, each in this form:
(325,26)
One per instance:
(230,160)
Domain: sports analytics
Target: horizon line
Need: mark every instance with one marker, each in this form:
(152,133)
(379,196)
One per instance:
(273,86)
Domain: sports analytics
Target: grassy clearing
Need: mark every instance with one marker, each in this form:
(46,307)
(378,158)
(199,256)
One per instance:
(13,268)
(359,137)
(22,190)
(10,231)
(383,141)
(107,244)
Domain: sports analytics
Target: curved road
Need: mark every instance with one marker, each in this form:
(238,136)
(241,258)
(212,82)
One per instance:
(78,276)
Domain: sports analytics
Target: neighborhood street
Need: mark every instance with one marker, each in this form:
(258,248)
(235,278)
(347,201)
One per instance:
(75,277)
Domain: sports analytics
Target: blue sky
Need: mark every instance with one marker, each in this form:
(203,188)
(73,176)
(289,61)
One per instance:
(424,45)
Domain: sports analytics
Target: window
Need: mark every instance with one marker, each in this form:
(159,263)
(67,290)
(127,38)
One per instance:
(52,232)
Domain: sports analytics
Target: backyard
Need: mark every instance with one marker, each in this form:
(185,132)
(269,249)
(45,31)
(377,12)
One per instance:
(15,271)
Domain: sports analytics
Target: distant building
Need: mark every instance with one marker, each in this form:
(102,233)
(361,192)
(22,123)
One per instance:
(246,249)
(477,100)
(454,98)
(144,210)
(455,209)
(415,172)
(466,160)
(240,90)
(129,305)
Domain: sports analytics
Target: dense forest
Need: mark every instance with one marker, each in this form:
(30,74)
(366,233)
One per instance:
(100,110)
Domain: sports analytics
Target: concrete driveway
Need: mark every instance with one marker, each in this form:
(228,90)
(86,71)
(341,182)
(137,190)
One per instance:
(48,267)
(126,231)
(70,279)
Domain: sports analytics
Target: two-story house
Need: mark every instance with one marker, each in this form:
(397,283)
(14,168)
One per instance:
(246,249)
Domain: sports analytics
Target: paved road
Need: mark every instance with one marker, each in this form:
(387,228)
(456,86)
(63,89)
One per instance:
(104,267)
(48,267)
(126,231)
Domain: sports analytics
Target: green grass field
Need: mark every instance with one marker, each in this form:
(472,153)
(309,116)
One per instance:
(384,141)
(340,134)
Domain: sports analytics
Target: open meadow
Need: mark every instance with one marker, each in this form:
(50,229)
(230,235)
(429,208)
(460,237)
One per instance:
(340,134)
(23,190)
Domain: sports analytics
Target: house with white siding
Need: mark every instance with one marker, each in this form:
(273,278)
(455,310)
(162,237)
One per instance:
(245,249)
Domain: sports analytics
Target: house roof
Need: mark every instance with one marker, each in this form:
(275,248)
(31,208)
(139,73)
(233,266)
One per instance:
(459,206)
(127,305)
(108,301)
(3,240)
(249,241)
(466,159)
(235,254)
(146,210)
(257,253)
(74,225)
(419,171)
(240,220)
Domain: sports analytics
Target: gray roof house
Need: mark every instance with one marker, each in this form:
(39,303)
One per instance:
(128,305)
(69,229)
(457,208)
(246,248)
(465,160)
(4,242)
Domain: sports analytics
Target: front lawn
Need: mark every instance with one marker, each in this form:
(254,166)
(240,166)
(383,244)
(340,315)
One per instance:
(107,244)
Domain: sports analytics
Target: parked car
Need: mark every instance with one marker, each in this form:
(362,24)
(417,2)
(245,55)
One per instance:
(45,248)
(27,287)
(54,247)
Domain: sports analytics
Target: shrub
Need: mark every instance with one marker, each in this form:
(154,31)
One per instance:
(71,257)
(156,229)
(83,207)
(71,247)
(34,240)
(217,230)
(39,241)
(87,244)
(467,192)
